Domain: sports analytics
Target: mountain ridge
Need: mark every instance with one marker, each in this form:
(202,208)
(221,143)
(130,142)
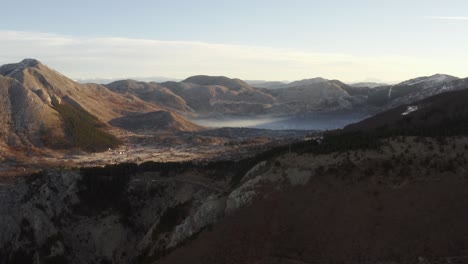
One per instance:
(202,95)
(389,189)
(152,92)
(223,95)
(443,113)
(43,108)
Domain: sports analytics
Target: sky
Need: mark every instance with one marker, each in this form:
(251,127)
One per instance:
(353,41)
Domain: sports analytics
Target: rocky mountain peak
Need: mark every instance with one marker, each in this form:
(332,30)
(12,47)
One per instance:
(28,62)
(12,68)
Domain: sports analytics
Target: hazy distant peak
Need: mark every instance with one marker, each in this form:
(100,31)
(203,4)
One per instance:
(436,78)
(368,84)
(316,79)
(307,82)
(266,84)
(216,80)
(130,84)
(126,81)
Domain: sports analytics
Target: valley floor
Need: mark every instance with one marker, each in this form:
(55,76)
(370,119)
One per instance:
(144,146)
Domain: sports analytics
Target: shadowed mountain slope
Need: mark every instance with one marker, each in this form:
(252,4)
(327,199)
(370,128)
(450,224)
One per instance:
(43,108)
(442,114)
(411,90)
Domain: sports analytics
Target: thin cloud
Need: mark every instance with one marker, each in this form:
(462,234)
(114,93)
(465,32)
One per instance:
(82,57)
(448,18)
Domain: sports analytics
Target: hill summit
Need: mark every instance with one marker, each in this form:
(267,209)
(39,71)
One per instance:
(234,84)
(40,107)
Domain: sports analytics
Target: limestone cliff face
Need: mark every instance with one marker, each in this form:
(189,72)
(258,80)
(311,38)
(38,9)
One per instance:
(359,206)
(299,204)
(94,216)
(123,213)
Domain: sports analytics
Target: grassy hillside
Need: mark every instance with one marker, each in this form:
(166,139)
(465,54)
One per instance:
(83,130)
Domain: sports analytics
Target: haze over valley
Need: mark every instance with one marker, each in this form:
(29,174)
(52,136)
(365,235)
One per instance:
(298,132)
(55,127)
(42,104)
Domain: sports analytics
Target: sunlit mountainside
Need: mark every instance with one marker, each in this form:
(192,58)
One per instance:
(122,172)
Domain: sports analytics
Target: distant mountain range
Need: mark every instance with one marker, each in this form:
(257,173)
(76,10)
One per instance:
(211,95)
(204,95)
(278,84)
(140,79)
(372,189)
(218,95)
(388,189)
(368,84)
(39,104)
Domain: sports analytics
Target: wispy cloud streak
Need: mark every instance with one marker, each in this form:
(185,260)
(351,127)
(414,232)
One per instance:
(91,57)
(460,18)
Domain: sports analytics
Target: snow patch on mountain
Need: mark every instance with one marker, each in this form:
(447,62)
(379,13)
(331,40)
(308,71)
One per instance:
(410,109)
(437,78)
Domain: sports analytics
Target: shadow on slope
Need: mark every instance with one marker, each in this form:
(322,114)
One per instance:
(83,130)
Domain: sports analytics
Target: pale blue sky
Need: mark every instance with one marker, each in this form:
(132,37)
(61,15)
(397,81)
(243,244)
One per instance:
(349,40)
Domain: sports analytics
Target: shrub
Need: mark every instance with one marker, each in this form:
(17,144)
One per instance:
(84,130)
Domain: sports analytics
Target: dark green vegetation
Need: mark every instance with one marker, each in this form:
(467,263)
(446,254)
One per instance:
(338,143)
(381,191)
(402,202)
(438,116)
(83,130)
(404,207)
(102,189)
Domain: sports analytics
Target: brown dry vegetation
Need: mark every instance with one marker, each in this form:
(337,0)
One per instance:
(404,202)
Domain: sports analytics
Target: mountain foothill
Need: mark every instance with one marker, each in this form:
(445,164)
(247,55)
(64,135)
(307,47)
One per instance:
(42,108)
(388,189)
